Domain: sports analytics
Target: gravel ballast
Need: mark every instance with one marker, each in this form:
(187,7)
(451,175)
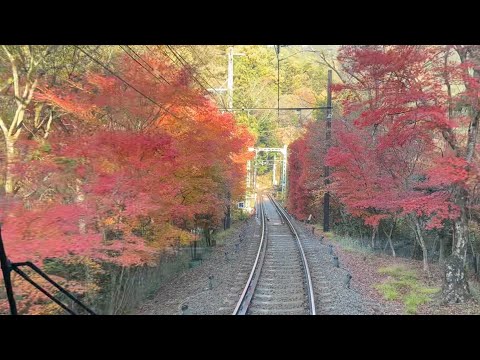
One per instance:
(230,264)
(230,272)
(332,296)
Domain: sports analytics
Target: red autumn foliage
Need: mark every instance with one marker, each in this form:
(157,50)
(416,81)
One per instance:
(306,172)
(123,164)
(399,118)
(389,156)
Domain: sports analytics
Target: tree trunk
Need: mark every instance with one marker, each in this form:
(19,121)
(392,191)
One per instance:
(476,262)
(228,217)
(441,256)
(389,237)
(10,161)
(89,280)
(374,232)
(453,239)
(418,231)
(113,283)
(455,286)
(118,291)
(414,251)
(434,247)
(22,97)
(79,198)
(424,254)
(391,246)
(206,233)
(385,247)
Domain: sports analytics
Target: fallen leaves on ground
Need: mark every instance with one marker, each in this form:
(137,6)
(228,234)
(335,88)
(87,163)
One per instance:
(365,275)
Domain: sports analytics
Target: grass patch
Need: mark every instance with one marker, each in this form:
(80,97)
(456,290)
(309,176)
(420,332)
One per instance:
(388,291)
(403,284)
(327,234)
(348,243)
(398,271)
(222,235)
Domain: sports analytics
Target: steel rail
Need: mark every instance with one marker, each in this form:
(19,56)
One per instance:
(311,298)
(245,300)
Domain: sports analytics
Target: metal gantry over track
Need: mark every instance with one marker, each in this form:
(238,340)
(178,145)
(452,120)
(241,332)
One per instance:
(256,162)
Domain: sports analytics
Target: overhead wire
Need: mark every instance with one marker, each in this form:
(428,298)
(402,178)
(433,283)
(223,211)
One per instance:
(159,77)
(187,66)
(230,96)
(205,65)
(125,82)
(116,75)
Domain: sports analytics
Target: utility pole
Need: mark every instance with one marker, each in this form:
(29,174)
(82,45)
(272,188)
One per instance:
(229,88)
(284,170)
(278,81)
(326,198)
(274,170)
(230,78)
(230,108)
(255,173)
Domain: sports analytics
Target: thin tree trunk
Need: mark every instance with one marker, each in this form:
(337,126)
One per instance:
(422,245)
(228,212)
(414,251)
(478,263)
(124,292)
(434,246)
(441,256)
(374,232)
(23,97)
(391,245)
(117,290)
(10,161)
(49,124)
(89,280)
(79,198)
(113,283)
(206,232)
(129,291)
(389,237)
(453,238)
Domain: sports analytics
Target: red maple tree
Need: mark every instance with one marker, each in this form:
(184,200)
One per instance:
(409,140)
(131,172)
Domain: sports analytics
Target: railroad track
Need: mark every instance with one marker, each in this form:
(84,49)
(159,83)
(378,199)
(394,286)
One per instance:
(279,282)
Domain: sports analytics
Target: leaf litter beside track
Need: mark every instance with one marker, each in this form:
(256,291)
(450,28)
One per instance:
(367,275)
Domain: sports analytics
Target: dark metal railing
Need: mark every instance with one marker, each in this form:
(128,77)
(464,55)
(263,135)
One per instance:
(7,267)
